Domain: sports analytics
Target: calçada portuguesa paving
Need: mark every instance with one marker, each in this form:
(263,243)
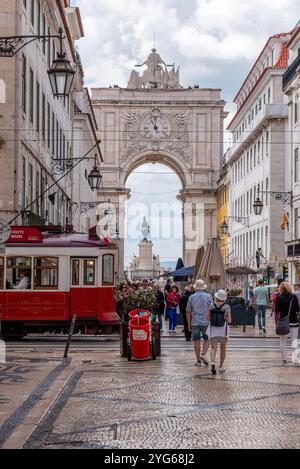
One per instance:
(99,400)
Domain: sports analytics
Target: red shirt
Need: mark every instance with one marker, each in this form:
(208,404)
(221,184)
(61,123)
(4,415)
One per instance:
(173,300)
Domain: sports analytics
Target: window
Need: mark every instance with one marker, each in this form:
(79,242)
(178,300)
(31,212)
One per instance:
(266,241)
(39,17)
(31,80)
(269,95)
(44,34)
(44,117)
(250,200)
(1,273)
(42,199)
(32,14)
(37,192)
(45,273)
(296,223)
(48,125)
(267,188)
(267,143)
(258,152)
(37,106)
(296,165)
(57,140)
(24,82)
(53,134)
(75,272)
(25,4)
(254,156)
(18,273)
(30,182)
(49,49)
(247,162)
(89,272)
(295,112)
(23,194)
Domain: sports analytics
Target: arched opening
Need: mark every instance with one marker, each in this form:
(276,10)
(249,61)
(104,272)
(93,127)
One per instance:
(154,188)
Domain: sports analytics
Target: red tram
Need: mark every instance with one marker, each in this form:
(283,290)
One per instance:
(47,276)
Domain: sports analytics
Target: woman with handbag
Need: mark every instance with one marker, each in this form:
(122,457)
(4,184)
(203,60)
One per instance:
(286,318)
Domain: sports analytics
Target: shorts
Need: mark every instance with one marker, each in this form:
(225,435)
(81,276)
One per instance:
(198,332)
(219,340)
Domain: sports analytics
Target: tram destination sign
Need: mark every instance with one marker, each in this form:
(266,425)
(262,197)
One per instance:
(25,235)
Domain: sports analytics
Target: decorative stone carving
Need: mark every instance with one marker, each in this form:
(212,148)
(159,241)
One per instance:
(155,76)
(155,131)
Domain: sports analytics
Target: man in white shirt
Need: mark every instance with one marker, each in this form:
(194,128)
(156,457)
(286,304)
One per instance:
(23,283)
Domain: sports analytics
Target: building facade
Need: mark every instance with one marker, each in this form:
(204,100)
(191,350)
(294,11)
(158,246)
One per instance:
(223,194)
(257,160)
(154,120)
(291,87)
(37,130)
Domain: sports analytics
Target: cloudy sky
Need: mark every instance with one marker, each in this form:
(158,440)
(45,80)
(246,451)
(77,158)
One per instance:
(215,42)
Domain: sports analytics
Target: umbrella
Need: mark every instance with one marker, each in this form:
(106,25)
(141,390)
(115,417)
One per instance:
(212,268)
(199,257)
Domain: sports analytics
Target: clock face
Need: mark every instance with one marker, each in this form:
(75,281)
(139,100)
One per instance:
(156,127)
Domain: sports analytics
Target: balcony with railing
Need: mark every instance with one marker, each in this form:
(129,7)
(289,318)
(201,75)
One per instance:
(290,73)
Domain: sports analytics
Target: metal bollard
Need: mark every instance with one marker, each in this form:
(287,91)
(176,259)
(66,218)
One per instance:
(71,332)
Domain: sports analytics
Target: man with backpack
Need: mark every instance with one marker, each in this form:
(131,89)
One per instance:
(219,319)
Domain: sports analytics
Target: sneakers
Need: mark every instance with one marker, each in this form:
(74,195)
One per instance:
(170,332)
(173,332)
(284,362)
(203,359)
(222,370)
(198,363)
(213,369)
(264,330)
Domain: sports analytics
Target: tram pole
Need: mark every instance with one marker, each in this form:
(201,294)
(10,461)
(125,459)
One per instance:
(71,332)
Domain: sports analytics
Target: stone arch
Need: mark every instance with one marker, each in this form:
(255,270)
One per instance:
(180,169)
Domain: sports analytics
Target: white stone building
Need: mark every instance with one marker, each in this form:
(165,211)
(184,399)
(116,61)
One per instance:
(257,158)
(35,128)
(291,87)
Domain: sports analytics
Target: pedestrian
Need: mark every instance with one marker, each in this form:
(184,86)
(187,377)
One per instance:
(274,297)
(160,308)
(261,299)
(219,317)
(197,312)
(297,291)
(251,295)
(287,304)
(173,300)
(182,306)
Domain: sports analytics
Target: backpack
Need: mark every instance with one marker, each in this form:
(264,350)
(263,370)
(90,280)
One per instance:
(217,316)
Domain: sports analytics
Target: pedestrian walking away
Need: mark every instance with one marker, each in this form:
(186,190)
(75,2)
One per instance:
(188,291)
(173,300)
(197,313)
(219,317)
(160,307)
(261,299)
(287,306)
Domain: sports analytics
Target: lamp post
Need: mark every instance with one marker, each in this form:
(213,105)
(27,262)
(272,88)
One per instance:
(61,73)
(225,228)
(95,180)
(285,197)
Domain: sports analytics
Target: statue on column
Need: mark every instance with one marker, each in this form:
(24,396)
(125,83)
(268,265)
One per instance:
(145,229)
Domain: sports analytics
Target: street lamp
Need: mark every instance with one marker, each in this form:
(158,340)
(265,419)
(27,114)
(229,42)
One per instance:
(61,73)
(258,206)
(224,227)
(285,197)
(95,178)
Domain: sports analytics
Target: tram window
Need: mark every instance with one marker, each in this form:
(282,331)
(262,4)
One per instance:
(45,273)
(89,272)
(1,273)
(18,273)
(75,272)
(108,269)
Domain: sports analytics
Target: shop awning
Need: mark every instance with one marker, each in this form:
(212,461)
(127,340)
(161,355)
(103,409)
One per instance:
(240,270)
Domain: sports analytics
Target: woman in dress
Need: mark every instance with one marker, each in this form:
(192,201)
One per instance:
(219,318)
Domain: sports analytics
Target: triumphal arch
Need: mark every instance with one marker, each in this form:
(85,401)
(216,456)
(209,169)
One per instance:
(155,119)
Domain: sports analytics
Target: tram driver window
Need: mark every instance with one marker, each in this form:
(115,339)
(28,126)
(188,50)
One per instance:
(89,272)
(1,273)
(108,269)
(18,273)
(45,273)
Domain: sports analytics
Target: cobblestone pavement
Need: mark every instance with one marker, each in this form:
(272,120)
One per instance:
(99,400)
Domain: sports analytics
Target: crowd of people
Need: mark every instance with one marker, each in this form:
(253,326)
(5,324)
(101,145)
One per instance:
(207,317)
